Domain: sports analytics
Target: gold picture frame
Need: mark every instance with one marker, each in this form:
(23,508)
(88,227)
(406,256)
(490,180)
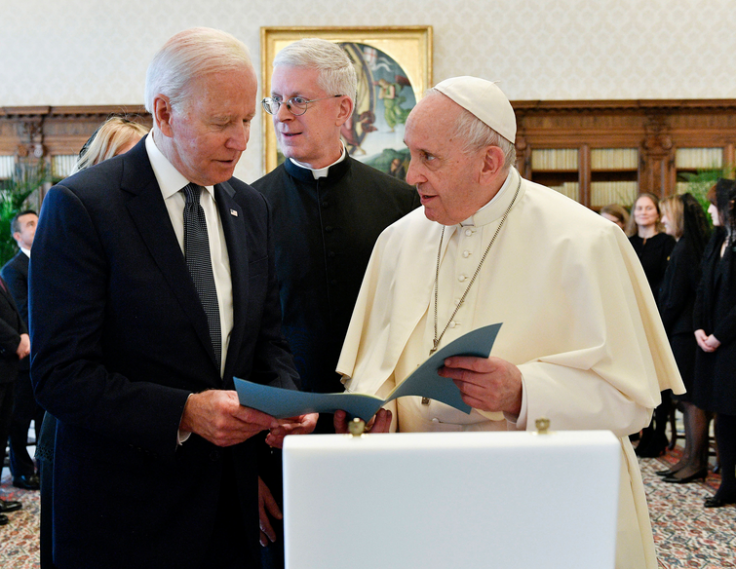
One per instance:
(407,49)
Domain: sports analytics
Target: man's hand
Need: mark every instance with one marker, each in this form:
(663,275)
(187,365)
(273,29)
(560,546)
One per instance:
(301,425)
(707,343)
(712,342)
(267,506)
(380,423)
(24,346)
(218,417)
(490,384)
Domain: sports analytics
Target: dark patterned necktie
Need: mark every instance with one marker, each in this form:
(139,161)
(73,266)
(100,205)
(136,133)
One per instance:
(199,263)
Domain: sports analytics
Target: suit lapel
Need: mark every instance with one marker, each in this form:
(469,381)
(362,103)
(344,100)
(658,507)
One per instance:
(148,212)
(23,262)
(234,229)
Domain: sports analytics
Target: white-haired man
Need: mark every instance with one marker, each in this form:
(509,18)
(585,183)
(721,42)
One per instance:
(581,341)
(152,285)
(328,210)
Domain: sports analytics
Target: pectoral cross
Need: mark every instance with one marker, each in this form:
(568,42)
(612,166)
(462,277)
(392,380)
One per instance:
(425,400)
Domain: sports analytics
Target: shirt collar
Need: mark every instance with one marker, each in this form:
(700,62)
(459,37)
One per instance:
(322,172)
(27,252)
(169,179)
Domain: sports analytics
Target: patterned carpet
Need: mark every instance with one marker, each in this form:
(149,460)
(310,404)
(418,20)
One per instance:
(19,539)
(685,534)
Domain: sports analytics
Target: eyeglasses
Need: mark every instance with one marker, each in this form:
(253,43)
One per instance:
(297,105)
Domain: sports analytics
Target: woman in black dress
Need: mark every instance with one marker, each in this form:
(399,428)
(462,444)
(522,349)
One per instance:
(685,220)
(653,248)
(714,319)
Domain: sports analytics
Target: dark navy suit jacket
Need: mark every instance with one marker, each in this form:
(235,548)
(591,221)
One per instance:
(15,275)
(11,327)
(120,341)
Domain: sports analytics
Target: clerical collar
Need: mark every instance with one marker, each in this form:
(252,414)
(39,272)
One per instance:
(321,172)
(473,219)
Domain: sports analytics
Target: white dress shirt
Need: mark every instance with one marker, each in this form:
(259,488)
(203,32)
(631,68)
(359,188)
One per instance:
(171,182)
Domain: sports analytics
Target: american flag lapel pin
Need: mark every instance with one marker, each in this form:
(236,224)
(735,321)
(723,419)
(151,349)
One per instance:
(234,213)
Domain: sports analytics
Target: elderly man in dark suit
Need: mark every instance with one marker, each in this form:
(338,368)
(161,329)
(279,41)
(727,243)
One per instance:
(152,285)
(25,408)
(14,347)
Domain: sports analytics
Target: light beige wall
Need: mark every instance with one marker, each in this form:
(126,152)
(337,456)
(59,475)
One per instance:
(82,52)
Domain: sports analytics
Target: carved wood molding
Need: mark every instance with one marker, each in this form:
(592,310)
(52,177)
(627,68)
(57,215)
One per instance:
(638,106)
(56,130)
(657,128)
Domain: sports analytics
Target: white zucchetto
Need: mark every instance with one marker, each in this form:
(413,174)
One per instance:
(485,100)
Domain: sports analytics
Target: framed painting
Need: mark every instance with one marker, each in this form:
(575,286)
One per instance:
(394,68)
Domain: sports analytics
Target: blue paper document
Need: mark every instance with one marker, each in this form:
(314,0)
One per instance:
(424,382)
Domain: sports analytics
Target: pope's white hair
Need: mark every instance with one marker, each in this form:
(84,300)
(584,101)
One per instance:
(476,134)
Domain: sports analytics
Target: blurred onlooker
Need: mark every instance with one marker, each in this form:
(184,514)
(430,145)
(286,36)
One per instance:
(617,214)
(651,244)
(714,319)
(653,247)
(684,219)
(25,408)
(115,136)
(14,346)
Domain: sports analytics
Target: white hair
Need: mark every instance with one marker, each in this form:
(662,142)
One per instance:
(476,134)
(188,55)
(336,72)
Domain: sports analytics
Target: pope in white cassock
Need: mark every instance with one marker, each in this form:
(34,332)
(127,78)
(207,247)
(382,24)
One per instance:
(581,342)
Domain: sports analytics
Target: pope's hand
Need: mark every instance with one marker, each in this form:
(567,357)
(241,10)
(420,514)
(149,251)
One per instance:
(380,423)
(490,384)
(301,425)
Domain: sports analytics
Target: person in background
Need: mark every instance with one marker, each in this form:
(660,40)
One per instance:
(25,408)
(328,210)
(617,214)
(115,136)
(684,219)
(653,248)
(714,320)
(14,347)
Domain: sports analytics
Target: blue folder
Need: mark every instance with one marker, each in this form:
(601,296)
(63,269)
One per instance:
(424,382)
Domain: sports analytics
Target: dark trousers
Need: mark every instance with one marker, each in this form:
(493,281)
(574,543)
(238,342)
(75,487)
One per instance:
(229,527)
(6,414)
(45,456)
(725,431)
(271,470)
(25,410)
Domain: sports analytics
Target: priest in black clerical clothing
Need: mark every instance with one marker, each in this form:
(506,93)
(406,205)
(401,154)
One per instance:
(328,210)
